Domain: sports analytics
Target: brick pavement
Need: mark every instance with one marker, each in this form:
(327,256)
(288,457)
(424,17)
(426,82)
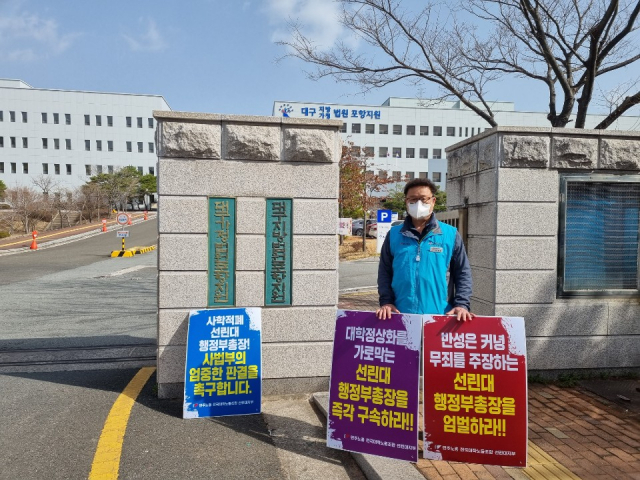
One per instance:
(573,433)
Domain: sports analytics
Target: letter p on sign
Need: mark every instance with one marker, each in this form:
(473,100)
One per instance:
(384,216)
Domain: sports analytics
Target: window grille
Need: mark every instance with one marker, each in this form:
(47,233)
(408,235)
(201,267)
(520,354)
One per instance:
(599,230)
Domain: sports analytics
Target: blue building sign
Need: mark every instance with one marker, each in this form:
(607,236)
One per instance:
(223,369)
(328,112)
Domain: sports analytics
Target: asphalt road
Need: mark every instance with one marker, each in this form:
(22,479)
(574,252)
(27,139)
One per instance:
(76,295)
(358,274)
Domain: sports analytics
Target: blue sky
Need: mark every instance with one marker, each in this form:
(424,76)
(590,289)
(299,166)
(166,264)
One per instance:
(201,55)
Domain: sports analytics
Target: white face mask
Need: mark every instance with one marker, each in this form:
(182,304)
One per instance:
(419,210)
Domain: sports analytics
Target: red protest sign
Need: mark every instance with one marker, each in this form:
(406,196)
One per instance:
(475,390)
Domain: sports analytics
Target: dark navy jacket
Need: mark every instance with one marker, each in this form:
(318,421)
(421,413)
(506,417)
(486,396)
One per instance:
(459,289)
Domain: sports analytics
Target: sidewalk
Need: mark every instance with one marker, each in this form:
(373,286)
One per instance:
(573,433)
(21,242)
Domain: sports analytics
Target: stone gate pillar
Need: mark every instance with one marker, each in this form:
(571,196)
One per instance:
(267,166)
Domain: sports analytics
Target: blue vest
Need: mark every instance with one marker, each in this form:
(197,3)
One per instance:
(420,269)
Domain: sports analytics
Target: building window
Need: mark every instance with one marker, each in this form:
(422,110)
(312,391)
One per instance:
(370,128)
(87,119)
(45,143)
(423,174)
(110,168)
(12,117)
(152,171)
(24,117)
(109,121)
(437,177)
(355,128)
(397,152)
(139,122)
(56,143)
(466,131)
(437,153)
(437,131)
(99,169)
(1,116)
(140,149)
(128,121)
(140,170)
(396,176)
(56,118)
(383,129)
(369,152)
(604,260)
(68,169)
(460,132)
(411,152)
(25,168)
(44,117)
(25,142)
(410,175)
(110,145)
(45,169)
(67,118)
(98,120)
(383,152)
(451,131)
(13,142)
(355,150)
(99,145)
(424,130)
(128,146)
(151,147)
(397,129)
(343,128)
(67,144)
(13,167)
(424,153)
(411,129)
(1,142)
(1,167)
(473,131)
(87,170)
(150,122)
(87,145)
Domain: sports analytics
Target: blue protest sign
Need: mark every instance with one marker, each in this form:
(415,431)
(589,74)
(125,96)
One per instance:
(223,370)
(384,216)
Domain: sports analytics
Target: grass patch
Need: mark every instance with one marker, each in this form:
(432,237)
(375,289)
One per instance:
(351,248)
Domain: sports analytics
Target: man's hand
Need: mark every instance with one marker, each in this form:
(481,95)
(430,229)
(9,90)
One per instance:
(385,311)
(462,313)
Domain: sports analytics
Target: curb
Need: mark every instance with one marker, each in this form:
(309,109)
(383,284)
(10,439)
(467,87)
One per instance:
(72,238)
(130,252)
(374,467)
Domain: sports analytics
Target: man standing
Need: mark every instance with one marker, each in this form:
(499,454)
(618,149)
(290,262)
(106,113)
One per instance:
(415,257)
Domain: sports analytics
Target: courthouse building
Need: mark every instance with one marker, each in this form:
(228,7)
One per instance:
(408,136)
(71,135)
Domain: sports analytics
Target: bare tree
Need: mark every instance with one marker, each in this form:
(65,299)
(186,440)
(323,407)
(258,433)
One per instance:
(27,206)
(568,45)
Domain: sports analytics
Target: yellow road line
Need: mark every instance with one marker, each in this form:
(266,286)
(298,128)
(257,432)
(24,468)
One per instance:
(106,461)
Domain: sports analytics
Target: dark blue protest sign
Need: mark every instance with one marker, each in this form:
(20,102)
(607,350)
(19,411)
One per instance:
(223,372)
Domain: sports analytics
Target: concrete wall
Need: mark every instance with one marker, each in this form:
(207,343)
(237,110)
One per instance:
(508,177)
(251,159)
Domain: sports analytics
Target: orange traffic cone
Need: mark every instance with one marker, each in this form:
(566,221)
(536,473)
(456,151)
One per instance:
(34,244)
(104,224)
(146,215)
(129,222)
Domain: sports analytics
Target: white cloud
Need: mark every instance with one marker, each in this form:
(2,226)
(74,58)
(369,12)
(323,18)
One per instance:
(26,37)
(318,20)
(149,41)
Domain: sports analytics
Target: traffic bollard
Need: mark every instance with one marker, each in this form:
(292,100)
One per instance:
(104,224)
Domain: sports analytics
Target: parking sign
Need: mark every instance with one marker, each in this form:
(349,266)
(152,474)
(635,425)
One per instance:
(384,216)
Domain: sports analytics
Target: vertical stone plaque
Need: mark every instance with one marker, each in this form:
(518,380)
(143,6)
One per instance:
(278,252)
(222,251)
